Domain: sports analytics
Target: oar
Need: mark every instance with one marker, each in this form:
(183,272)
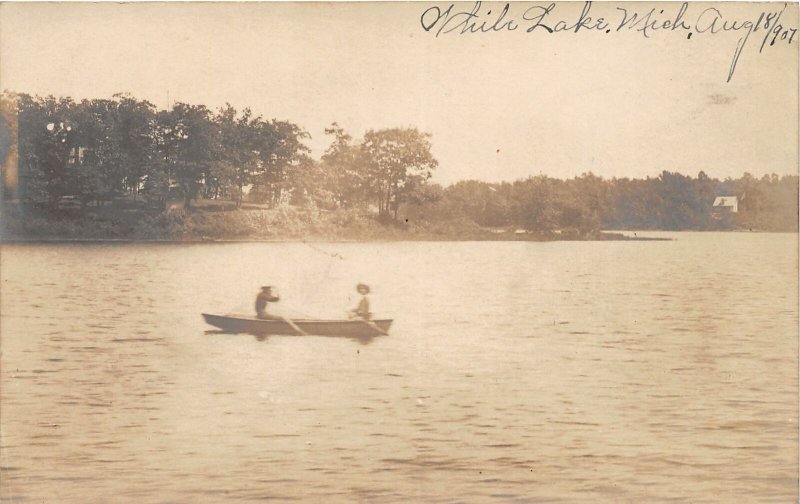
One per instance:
(294,326)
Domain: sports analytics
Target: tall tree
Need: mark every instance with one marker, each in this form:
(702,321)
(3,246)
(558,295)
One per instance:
(185,138)
(132,139)
(281,152)
(196,135)
(342,171)
(45,139)
(238,158)
(399,161)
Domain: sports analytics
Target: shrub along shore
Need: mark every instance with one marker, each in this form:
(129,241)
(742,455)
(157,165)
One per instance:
(284,223)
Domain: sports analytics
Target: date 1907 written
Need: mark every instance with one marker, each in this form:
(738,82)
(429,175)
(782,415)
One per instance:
(545,19)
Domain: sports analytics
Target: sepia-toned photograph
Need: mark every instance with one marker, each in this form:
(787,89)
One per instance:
(399,252)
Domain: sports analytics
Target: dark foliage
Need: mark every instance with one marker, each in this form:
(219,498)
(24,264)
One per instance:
(121,168)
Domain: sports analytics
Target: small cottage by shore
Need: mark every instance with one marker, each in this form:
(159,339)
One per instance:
(726,204)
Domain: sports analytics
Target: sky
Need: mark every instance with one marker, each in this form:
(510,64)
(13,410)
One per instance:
(499,105)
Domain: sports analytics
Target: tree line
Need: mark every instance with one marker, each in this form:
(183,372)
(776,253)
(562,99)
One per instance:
(103,150)
(98,150)
(671,201)
(94,150)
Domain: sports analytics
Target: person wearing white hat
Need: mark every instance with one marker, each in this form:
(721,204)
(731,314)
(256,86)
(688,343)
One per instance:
(362,310)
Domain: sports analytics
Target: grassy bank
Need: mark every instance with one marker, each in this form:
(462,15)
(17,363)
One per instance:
(220,222)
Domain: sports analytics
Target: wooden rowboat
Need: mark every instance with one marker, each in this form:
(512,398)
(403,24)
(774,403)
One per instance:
(297,327)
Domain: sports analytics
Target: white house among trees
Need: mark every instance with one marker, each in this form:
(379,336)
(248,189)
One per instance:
(730,203)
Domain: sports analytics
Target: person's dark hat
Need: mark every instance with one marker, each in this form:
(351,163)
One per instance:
(362,288)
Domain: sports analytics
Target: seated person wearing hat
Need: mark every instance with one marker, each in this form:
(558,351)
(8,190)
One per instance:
(362,310)
(264,297)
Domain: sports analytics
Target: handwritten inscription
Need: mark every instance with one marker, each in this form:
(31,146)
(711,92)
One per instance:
(648,23)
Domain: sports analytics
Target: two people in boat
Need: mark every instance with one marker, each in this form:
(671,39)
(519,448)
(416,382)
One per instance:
(268,295)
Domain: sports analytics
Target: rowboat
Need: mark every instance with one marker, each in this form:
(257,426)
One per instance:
(296,327)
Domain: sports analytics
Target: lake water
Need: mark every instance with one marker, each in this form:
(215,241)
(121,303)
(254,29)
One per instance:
(515,372)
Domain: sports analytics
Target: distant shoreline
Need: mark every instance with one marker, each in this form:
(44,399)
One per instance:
(612,236)
(123,241)
(215,224)
(284,225)
(287,224)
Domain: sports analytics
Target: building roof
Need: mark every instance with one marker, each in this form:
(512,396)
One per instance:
(726,201)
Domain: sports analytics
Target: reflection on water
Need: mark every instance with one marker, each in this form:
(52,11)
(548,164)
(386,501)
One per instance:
(514,372)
